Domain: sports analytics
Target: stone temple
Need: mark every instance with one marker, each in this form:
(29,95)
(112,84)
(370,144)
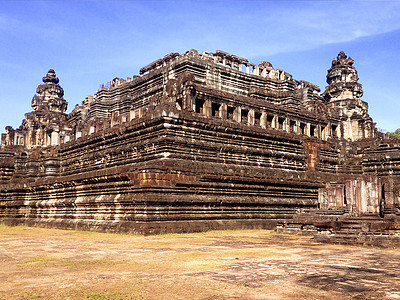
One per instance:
(203,141)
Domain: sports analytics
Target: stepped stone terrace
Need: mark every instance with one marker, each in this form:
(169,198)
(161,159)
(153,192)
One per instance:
(203,141)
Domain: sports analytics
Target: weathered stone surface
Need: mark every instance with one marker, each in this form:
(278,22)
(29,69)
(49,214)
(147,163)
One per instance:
(200,141)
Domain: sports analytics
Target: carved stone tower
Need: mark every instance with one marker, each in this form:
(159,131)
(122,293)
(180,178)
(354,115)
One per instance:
(344,95)
(49,96)
(47,124)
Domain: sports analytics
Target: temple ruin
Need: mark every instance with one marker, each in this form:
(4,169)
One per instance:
(203,141)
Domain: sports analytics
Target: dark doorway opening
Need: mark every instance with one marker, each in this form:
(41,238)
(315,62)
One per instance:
(382,202)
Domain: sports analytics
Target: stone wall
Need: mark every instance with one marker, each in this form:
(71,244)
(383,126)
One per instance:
(159,170)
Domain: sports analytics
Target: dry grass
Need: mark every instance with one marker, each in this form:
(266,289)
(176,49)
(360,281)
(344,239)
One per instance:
(40,263)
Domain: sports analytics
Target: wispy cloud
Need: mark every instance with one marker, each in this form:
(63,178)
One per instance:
(248,28)
(307,25)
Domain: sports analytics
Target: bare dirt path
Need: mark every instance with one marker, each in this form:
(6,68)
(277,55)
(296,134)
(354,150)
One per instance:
(40,263)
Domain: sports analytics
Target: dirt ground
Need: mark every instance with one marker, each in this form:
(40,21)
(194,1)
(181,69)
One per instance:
(40,263)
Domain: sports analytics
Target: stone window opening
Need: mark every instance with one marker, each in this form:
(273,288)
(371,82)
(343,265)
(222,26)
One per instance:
(292,126)
(179,104)
(302,128)
(334,127)
(230,112)
(312,130)
(257,118)
(200,106)
(344,196)
(383,192)
(33,138)
(250,70)
(269,120)
(281,122)
(382,202)
(215,108)
(245,116)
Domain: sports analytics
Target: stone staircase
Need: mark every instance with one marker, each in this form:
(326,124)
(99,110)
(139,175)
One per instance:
(365,230)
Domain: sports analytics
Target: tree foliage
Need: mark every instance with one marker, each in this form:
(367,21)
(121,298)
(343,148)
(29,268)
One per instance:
(396,133)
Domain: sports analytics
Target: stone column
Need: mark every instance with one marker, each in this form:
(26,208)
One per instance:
(264,73)
(251,117)
(296,127)
(208,108)
(263,121)
(256,70)
(237,114)
(274,121)
(55,138)
(223,111)
(328,130)
(131,115)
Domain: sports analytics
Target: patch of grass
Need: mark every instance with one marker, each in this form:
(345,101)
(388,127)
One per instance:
(114,295)
(200,261)
(40,259)
(201,265)
(32,295)
(12,228)
(94,263)
(146,265)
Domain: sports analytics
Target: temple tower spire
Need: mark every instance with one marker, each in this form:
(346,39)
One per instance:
(49,95)
(343,94)
(47,124)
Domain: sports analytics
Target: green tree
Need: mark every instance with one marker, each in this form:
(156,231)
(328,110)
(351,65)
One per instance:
(396,133)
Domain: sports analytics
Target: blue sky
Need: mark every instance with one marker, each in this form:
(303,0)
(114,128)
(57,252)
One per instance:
(89,43)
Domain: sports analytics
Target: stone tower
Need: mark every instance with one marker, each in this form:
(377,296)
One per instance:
(344,95)
(49,95)
(47,124)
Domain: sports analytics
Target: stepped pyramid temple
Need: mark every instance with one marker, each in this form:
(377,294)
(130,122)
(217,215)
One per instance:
(203,141)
